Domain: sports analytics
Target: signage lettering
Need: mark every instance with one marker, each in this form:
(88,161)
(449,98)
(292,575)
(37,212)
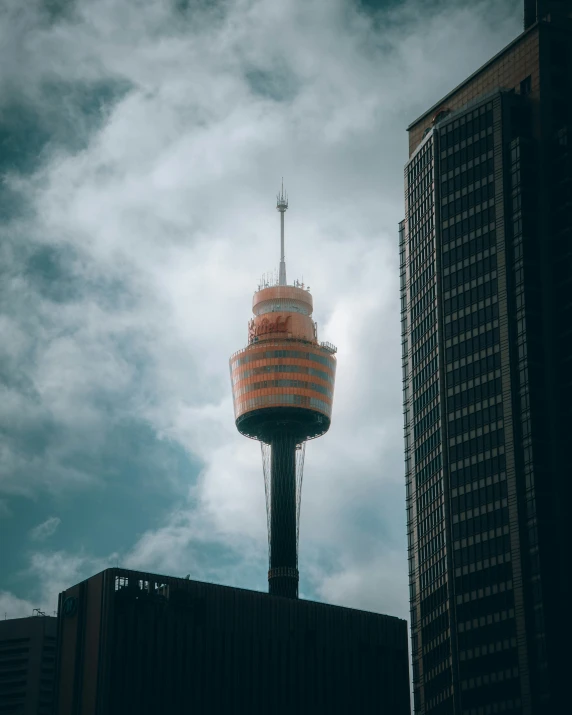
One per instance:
(265,326)
(70,606)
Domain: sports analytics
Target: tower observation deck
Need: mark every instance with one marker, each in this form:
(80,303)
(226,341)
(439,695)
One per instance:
(283,389)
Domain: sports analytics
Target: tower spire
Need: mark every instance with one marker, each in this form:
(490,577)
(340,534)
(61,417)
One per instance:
(282,205)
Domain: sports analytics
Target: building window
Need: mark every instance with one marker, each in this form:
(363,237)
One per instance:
(526,86)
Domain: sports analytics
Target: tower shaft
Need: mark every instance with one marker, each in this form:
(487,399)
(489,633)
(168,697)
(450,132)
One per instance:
(283,573)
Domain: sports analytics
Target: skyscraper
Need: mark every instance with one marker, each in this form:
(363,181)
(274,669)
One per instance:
(283,389)
(486,307)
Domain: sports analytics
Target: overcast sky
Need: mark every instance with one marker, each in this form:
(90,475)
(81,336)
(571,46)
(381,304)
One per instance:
(141,148)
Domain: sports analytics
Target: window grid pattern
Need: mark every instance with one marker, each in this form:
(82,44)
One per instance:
(423,437)
(523,261)
(483,582)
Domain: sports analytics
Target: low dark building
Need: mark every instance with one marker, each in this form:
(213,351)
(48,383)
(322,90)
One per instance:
(140,643)
(27,664)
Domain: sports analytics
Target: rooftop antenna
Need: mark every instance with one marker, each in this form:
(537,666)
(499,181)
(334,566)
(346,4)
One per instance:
(282,205)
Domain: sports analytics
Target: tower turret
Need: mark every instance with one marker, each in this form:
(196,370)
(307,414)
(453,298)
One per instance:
(283,388)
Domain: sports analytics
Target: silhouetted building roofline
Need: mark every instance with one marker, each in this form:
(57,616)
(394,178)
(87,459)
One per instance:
(131,641)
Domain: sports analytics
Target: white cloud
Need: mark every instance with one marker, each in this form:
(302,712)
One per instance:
(171,199)
(58,570)
(51,573)
(47,528)
(368,585)
(13,607)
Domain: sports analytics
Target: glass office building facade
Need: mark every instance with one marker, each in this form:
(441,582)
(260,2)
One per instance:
(486,310)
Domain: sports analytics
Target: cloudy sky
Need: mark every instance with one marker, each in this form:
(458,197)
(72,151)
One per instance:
(142,144)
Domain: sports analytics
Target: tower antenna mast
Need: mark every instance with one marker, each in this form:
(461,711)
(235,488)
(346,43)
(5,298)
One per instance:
(282,205)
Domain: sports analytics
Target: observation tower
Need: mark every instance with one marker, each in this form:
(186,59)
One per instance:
(282,389)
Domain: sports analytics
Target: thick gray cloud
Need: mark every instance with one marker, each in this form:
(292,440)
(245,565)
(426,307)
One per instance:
(143,145)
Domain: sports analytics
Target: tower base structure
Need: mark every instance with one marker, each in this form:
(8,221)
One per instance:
(283,581)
